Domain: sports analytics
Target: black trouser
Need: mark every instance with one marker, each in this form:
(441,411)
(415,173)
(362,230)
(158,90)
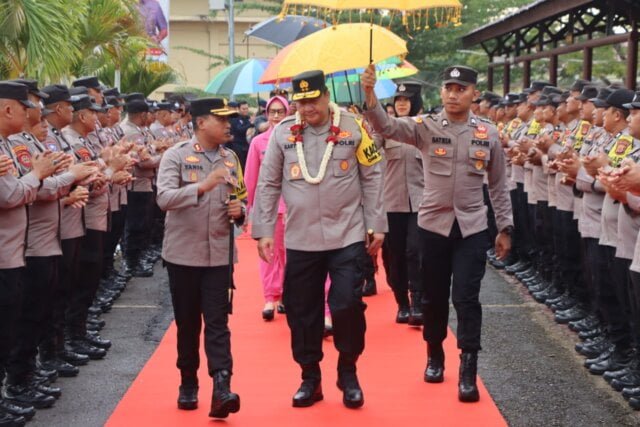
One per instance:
(597,264)
(35,309)
(11,287)
(534,250)
(201,293)
(516,237)
(66,288)
(634,297)
(544,239)
(610,276)
(570,256)
(157,222)
(138,224)
(491,217)
(523,233)
(303,295)
(401,249)
(112,237)
(465,260)
(90,271)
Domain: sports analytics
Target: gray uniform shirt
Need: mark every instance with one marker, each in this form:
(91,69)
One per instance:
(403,177)
(16,191)
(196,228)
(43,231)
(144,172)
(333,214)
(456,158)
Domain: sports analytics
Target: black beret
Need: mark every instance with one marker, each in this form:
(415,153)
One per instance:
(215,106)
(459,74)
(17,92)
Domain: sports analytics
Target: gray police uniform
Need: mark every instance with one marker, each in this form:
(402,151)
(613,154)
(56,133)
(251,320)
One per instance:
(453,215)
(325,230)
(197,257)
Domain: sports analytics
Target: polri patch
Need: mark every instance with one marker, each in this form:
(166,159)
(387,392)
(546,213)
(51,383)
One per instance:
(481,132)
(440,152)
(23,156)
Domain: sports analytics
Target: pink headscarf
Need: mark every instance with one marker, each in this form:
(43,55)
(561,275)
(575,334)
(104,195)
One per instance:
(277,98)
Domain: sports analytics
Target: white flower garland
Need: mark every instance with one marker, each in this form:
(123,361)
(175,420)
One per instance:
(335,113)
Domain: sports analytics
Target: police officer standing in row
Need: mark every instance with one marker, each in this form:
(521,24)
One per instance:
(325,165)
(458,150)
(195,181)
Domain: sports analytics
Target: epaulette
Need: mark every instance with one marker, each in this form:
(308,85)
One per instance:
(182,144)
(484,119)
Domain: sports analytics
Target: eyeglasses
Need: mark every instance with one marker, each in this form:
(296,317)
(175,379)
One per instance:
(277,112)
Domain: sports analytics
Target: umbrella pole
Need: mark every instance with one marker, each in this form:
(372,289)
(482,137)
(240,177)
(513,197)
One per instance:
(348,87)
(371,44)
(333,85)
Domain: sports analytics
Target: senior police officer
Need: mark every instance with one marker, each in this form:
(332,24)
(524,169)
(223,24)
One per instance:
(195,181)
(458,150)
(325,165)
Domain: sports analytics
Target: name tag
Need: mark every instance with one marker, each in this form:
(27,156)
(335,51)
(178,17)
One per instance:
(440,140)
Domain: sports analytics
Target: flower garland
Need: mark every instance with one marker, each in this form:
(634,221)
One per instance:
(297,130)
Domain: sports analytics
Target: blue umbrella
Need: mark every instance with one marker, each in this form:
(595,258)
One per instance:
(240,78)
(345,91)
(284,31)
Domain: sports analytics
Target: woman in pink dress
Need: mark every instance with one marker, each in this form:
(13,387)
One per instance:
(272,274)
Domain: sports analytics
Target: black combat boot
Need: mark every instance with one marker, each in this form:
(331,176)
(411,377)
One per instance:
(434,373)
(415,310)
(369,288)
(467,388)
(310,390)
(188,391)
(224,401)
(352,395)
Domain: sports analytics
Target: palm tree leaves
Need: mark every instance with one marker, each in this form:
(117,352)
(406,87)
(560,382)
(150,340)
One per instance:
(54,40)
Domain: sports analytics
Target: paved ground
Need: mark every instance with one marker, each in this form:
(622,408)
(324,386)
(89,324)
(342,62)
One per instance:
(528,362)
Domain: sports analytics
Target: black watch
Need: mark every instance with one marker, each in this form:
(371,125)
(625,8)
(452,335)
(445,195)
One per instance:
(508,230)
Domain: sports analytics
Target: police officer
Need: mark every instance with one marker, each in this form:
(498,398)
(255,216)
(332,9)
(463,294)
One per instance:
(458,150)
(195,181)
(403,184)
(325,165)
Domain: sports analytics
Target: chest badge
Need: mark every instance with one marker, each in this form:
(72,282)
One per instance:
(481,154)
(344,165)
(344,134)
(192,159)
(295,171)
(440,151)
(481,132)
(193,176)
(479,164)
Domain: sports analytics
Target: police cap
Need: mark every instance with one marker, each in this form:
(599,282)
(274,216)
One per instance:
(215,106)
(600,101)
(308,85)
(536,86)
(77,91)
(588,92)
(459,74)
(56,93)
(635,102)
(136,106)
(17,92)
(113,101)
(112,91)
(88,82)
(620,98)
(407,89)
(32,85)
(578,85)
(86,102)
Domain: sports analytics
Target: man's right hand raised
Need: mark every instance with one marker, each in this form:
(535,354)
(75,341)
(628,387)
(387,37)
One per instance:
(368,81)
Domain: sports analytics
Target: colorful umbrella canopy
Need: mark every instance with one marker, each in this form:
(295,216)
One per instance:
(240,78)
(337,48)
(284,30)
(343,92)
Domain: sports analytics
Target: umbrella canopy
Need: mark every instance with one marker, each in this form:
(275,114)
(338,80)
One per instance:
(240,78)
(442,11)
(284,30)
(337,48)
(343,92)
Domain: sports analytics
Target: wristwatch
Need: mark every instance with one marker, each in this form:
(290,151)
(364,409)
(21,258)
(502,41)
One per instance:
(508,230)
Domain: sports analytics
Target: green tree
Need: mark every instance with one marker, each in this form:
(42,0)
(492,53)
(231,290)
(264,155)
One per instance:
(39,38)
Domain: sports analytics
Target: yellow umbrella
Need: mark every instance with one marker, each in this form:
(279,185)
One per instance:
(442,11)
(336,48)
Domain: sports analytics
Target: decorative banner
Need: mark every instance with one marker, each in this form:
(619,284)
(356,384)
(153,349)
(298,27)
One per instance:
(155,18)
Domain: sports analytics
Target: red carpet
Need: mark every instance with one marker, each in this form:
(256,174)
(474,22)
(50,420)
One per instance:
(266,377)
